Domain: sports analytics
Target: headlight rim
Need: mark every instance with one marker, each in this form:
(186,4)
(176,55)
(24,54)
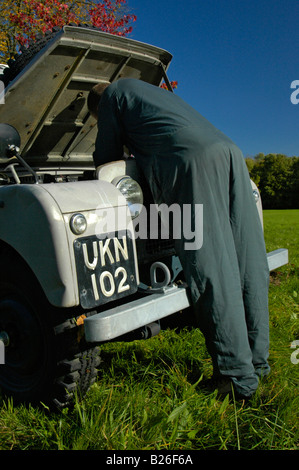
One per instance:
(117,181)
(256,195)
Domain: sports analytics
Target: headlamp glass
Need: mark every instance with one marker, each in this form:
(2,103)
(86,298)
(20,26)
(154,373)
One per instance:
(132,191)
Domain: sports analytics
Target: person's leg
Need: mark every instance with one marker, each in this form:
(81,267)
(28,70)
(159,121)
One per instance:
(212,272)
(253,265)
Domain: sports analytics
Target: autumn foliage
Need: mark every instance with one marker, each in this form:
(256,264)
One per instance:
(173,83)
(22,20)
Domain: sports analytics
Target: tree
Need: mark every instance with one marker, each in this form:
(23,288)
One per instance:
(277,177)
(22,20)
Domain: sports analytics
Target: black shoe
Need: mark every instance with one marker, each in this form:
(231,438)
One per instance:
(224,386)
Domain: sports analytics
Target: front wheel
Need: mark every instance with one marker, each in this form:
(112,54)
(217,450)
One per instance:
(47,358)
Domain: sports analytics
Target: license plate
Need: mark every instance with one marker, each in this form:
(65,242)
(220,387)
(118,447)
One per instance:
(105,268)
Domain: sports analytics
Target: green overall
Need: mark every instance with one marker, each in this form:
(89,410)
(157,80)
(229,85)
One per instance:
(186,160)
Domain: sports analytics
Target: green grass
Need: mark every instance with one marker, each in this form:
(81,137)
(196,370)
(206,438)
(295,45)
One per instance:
(148,395)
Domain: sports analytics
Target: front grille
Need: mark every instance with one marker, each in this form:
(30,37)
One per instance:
(151,250)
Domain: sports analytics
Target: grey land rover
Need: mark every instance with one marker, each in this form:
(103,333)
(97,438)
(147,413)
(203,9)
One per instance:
(70,279)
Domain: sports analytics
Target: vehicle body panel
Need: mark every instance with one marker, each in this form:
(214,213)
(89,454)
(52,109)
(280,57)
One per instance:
(46,103)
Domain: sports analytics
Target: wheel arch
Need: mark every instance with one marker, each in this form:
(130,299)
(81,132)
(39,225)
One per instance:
(32,225)
(47,358)
(8,255)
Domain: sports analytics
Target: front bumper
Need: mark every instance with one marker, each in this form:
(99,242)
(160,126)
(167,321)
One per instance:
(277,258)
(118,321)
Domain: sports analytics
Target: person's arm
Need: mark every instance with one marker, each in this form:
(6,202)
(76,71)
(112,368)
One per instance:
(110,140)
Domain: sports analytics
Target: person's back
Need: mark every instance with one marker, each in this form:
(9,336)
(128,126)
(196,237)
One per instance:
(187,161)
(151,116)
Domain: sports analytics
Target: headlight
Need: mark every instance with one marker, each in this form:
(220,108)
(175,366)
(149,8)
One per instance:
(78,224)
(131,190)
(256,195)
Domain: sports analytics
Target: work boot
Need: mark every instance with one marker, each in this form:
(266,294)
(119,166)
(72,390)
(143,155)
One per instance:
(224,386)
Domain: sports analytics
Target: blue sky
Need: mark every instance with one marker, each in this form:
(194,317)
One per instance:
(235,61)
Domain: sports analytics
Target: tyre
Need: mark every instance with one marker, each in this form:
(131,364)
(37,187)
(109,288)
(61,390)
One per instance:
(19,62)
(47,359)
(27,53)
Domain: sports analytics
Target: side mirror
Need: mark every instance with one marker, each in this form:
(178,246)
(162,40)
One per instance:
(8,136)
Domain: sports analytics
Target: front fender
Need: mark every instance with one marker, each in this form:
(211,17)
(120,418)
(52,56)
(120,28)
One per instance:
(32,224)
(259,204)
(34,221)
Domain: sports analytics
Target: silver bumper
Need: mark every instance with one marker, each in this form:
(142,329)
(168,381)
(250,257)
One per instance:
(120,320)
(117,321)
(277,258)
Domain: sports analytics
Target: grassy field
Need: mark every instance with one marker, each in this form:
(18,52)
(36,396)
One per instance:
(148,395)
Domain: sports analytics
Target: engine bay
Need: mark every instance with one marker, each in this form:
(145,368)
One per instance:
(13,173)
